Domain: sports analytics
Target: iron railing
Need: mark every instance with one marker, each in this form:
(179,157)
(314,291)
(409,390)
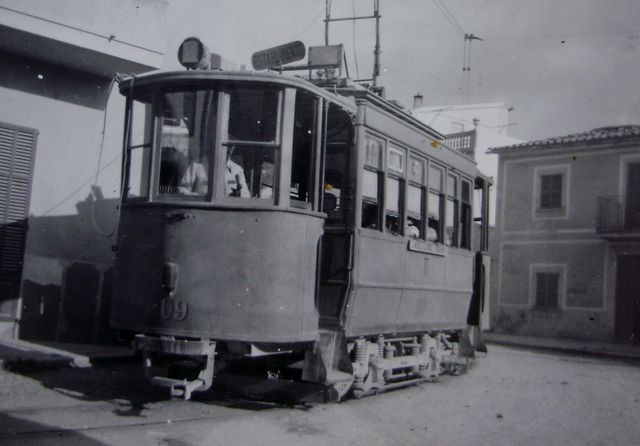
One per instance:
(612,215)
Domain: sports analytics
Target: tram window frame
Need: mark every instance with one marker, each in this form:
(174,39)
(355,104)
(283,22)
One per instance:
(435,211)
(373,168)
(245,149)
(466,213)
(394,196)
(196,116)
(140,140)
(415,184)
(337,141)
(452,209)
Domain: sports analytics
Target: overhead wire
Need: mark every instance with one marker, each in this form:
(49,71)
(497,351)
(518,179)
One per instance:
(353,38)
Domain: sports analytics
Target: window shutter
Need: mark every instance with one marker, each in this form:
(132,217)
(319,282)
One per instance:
(17,149)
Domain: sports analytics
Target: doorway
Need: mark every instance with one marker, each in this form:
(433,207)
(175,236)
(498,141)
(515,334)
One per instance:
(627,328)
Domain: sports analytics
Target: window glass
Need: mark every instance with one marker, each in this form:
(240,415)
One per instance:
(392,218)
(250,172)
(338,143)
(370,203)
(302,151)
(414,211)
(187,137)
(416,170)
(253,114)
(465,215)
(435,178)
(451,218)
(370,184)
(551,191)
(547,290)
(374,153)
(434,222)
(139,150)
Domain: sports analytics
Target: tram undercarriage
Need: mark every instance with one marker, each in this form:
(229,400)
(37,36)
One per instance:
(324,371)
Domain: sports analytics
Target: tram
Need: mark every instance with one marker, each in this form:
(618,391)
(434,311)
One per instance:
(293,227)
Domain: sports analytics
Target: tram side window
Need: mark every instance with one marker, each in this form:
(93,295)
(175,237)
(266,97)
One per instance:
(415,199)
(393,190)
(371,184)
(452,211)
(465,215)
(338,147)
(302,152)
(139,147)
(188,133)
(435,204)
(249,171)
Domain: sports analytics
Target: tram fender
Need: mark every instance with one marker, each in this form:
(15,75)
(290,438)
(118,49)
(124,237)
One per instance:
(329,358)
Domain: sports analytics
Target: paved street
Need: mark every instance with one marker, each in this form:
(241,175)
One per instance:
(510,397)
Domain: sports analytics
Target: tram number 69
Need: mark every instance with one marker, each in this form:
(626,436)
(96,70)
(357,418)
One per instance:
(176,309)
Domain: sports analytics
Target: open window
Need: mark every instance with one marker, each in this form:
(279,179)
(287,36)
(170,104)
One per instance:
(436,204)
(371,184)
(415,198)
(339,135)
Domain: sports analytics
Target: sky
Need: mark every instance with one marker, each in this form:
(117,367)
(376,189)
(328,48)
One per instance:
(565,66)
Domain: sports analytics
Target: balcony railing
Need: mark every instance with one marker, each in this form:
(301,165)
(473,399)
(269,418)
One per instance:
(613,215)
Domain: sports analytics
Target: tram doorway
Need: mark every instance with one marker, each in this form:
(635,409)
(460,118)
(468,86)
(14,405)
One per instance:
(628,300)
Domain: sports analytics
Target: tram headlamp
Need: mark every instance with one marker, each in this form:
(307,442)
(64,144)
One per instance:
(194,55)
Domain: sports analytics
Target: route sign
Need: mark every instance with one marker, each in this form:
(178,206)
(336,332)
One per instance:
(279,55)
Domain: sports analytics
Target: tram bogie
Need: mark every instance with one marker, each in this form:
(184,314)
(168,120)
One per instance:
(276,228)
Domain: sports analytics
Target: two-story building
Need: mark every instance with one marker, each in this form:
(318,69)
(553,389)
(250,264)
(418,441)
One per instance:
(569,230)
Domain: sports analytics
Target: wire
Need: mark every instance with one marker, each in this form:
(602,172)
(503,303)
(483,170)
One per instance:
(450,18)
(557,36)
(353,38)
(324,8)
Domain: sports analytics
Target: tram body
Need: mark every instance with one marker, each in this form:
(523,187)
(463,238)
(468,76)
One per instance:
(295,250)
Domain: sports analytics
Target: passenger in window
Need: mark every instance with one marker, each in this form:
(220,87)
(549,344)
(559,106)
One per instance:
(411,230)
(235,181)
(195,180)
(432,230)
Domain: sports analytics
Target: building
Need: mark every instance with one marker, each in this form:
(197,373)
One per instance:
(56,212)
(569,231)
(472,129)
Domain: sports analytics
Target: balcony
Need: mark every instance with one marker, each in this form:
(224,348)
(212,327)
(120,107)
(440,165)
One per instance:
(617,216)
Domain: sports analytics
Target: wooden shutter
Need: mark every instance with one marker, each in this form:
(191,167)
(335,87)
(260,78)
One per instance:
(17,150)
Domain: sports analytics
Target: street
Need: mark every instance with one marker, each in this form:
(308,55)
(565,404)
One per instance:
(509,397)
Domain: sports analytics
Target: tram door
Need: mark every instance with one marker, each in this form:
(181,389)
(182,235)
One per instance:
(337,241)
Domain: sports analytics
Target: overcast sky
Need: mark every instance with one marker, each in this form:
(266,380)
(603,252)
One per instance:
(565,66)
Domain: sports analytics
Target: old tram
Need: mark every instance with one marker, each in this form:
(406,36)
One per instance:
(298,228)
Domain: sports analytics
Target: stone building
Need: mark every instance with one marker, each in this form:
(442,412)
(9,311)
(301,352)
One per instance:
(569,230)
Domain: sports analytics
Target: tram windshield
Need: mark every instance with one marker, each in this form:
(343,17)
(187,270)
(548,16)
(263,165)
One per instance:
(196,157)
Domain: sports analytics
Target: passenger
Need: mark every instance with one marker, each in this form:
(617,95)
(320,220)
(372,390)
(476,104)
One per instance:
(236,184)
(195,181)
(412,231)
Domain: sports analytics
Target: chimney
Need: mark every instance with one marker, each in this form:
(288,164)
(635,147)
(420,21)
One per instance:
(417,101)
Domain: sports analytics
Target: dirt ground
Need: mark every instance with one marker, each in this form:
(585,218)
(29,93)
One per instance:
(509,397)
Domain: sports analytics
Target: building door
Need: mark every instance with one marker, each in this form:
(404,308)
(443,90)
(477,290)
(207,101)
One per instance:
(632,214)
(628,300)
(17,150)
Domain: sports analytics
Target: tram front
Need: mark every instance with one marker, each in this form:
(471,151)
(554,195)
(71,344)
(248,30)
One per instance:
(220,220)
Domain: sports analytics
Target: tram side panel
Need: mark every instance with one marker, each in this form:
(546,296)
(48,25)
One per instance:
(399,290)
(242,275)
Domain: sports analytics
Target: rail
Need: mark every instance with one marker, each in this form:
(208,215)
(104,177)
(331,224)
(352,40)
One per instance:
(613,215)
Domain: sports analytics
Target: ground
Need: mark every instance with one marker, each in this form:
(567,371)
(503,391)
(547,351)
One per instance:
(509,397)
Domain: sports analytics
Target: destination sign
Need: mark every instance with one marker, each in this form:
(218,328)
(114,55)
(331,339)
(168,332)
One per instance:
(427,247)
(279,55)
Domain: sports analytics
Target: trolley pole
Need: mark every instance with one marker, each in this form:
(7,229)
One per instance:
(376,52)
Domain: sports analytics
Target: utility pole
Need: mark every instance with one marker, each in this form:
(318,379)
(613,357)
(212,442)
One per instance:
(376,52)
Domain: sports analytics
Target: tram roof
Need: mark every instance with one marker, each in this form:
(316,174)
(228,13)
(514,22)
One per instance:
(342,91)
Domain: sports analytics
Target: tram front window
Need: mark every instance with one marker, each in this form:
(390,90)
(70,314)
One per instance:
(188,134)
